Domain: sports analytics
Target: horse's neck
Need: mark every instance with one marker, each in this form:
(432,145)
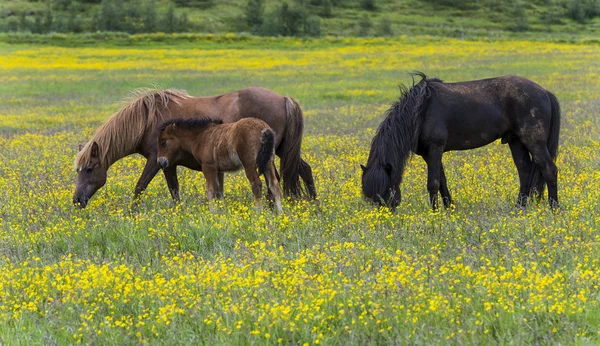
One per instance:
(198,107)
(114,152)
(192,140)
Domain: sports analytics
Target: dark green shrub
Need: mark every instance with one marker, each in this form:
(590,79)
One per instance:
(369,5)
(364,25)
(385,27)
(254,14)
(312,26)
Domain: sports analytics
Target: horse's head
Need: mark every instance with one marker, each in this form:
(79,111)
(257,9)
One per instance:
(169,146)
(377,185)
(90,177)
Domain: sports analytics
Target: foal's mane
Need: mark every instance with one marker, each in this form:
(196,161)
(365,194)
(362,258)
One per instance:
(121,134)
(398,135)
(190,123)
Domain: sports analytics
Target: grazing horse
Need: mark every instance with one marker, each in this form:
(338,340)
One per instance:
(132,130)
(433,117)
(248,143)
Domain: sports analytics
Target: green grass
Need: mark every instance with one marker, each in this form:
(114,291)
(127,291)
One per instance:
(337,271)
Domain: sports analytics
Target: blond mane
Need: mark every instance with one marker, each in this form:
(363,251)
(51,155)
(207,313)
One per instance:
(121,134)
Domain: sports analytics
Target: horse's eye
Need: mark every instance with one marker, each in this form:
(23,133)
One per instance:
(163,144)
(89,170)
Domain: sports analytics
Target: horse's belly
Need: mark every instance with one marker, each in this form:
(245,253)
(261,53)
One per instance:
(231,164)
(471,142)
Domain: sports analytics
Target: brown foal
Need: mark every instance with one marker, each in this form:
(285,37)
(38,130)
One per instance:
(248,143)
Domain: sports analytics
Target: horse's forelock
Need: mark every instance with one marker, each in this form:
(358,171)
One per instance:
(397,135)
(375,181)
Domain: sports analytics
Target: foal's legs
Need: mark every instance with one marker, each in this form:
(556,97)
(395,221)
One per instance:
(541,157)
(172,182)
(434,170)
(446,198)
(220,181)
(523,162)
(273,184)
(212,184)
(268,194)
(255,182)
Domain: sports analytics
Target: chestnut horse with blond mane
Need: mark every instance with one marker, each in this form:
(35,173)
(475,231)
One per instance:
(132,130)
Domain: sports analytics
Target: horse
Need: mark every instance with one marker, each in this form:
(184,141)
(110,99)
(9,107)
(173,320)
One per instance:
(132,130)
(432,117)
(248,143)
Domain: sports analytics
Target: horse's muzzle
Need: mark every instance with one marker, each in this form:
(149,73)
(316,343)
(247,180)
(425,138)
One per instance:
(163,162)
(80,201)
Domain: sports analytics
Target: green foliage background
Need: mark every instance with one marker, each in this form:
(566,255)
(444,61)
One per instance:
(490,18)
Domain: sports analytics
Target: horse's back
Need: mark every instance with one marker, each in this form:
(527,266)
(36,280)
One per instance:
(254,102)
(266,105)
(471,114)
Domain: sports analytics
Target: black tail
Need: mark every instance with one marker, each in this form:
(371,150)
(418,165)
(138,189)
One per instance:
(536,179)
(289,149)
(266,151)
(554,126)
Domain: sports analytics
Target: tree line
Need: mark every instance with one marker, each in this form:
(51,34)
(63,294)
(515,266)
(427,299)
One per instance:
(282,18)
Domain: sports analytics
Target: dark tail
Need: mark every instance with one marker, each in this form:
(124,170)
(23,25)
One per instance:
(554,126)
(266,151)
(537,180)
(289,150)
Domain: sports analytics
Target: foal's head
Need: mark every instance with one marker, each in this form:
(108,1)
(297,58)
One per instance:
(169,145)
(377,185)
(175,133)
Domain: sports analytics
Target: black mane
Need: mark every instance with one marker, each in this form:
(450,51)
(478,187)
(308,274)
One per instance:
(190,123)
(397,136)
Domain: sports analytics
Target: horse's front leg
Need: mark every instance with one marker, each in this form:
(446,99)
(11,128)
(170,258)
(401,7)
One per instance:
(446,198)
(434,170)
(172,182)
(148,174)
(221,181)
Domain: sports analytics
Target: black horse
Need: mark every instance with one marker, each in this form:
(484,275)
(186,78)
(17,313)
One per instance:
(433,117)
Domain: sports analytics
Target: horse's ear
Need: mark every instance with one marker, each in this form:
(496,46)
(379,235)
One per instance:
(80,147)
(388,168)
(95,150)
(169,128)
(364,169)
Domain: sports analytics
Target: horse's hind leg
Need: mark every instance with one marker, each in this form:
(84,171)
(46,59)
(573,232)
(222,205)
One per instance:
(541,157)
(434,169)
(273,186)
(523,162)
(268,194)
(445,192)
(255,182)
(307,177)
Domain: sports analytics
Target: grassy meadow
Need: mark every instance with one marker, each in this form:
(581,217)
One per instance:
(337,271)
